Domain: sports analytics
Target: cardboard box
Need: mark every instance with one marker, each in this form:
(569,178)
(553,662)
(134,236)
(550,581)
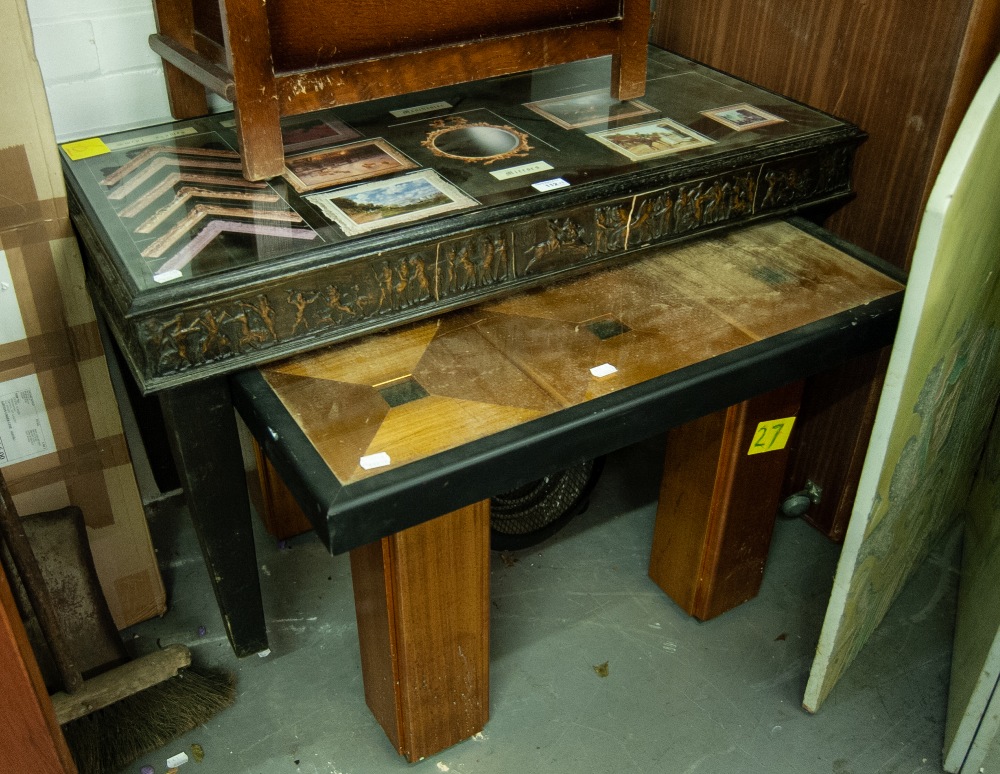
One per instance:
(61,439)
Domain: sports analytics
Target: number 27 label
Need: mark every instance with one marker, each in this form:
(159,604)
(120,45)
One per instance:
(771,435)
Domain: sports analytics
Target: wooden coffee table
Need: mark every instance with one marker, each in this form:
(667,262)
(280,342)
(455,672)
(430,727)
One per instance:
(393,444)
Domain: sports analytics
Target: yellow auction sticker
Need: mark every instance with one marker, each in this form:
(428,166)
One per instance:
(84,149)
(771,435)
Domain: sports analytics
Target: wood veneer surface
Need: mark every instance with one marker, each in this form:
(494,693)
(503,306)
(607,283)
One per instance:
(887,67)
(439,384)
(905,73)
(309,40)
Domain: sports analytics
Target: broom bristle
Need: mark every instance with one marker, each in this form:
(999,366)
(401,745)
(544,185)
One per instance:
(109,739)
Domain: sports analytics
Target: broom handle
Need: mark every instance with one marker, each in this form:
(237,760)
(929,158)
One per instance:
(38,594)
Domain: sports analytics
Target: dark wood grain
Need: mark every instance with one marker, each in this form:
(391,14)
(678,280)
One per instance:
(905,73)
(844,392)
(308,90)
(315,34)
(888,67)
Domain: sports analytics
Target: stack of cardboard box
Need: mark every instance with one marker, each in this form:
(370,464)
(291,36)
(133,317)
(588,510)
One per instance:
(61,439)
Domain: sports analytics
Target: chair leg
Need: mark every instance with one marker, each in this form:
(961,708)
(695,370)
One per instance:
(187,97)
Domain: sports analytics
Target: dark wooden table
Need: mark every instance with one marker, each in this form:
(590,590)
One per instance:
(397,210)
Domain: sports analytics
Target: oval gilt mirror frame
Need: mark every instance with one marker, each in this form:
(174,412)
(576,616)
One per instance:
(458,139)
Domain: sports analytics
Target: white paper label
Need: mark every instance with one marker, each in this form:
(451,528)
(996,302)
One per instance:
(605,369)
(379,460)
(430,107)
(167,276)
(177,760)
(550,185)
(522,170)
(11,323)
(150,139)
(25,432)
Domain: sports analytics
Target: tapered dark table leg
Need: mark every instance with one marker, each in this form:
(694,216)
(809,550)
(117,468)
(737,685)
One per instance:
(201,426)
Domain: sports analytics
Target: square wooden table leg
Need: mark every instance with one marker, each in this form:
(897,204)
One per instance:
(422,602)
(718,505)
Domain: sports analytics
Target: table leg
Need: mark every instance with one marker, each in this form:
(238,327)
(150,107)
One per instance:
(718,505)
(422,602)
(201,425)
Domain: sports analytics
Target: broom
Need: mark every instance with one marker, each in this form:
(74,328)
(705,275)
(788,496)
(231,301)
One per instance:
(129,710)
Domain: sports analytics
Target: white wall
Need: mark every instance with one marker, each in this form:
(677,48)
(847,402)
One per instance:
(99,72)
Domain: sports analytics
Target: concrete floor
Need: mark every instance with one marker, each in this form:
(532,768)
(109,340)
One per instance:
(680,697)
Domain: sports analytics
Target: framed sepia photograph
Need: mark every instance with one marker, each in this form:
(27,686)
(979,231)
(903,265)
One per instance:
(301,133)
(344,164)
(382,204)
(587,109)
(651,140)
(742,117)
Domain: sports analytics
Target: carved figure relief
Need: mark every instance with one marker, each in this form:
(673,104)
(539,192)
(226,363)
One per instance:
(405,280)
(788,185)
(563,236)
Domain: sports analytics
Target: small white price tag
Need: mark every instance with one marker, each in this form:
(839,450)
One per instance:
(430,107)
(151,139)
(167,276)
(521,170)
(605,369)
(370,461)
(550,185)
(177,760)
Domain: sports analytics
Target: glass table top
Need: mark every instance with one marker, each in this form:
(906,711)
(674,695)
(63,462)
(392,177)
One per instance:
(172,206)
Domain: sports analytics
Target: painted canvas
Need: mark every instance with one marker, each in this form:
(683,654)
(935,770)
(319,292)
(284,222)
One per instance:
(941,388)
(386,203)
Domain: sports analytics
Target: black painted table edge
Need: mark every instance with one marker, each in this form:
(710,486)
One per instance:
(349,516)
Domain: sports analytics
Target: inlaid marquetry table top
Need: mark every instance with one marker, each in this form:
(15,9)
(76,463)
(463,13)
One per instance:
(383,429)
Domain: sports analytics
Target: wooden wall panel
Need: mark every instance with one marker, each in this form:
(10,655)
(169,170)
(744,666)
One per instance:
(905,73)
(888,67)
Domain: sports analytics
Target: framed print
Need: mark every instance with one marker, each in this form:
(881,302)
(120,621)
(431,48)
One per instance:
(386,203)
(301,133)
(651,140)
(742,117)
(587,109)
(344,164)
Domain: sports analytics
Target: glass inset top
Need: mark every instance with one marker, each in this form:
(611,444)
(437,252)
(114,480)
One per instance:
(173,205)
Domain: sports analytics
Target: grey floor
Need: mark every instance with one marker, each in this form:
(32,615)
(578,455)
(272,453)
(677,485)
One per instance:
(683,697)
